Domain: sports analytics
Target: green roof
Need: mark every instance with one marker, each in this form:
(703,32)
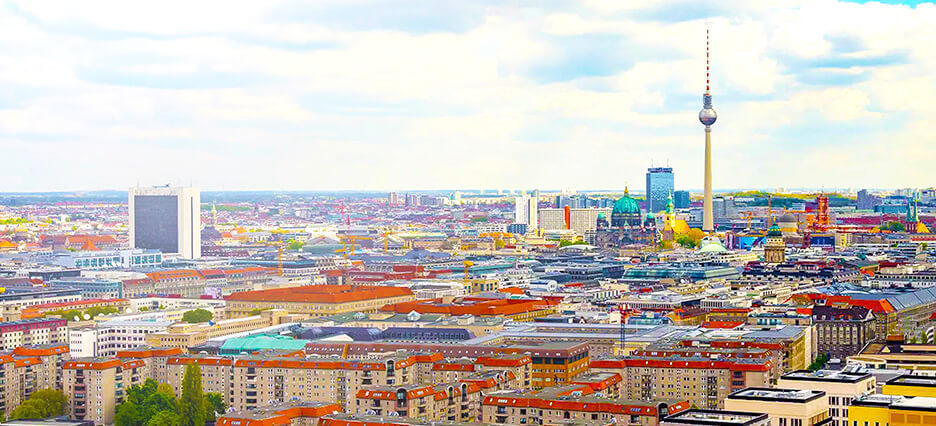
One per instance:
(626,205)
(261,342)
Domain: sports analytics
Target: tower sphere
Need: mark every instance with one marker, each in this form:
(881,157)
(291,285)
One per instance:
(707,116)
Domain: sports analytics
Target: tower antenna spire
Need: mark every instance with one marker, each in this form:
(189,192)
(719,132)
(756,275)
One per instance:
(707,89)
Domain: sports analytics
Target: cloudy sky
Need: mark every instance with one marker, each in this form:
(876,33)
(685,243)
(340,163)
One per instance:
(446,94)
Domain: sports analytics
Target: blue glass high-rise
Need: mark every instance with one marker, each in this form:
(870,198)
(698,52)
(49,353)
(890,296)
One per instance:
(659,188)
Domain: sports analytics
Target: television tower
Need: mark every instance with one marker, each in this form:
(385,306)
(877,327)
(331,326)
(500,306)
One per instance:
(707,117)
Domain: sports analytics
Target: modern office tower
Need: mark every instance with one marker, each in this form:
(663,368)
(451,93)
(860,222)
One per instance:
(393,199)
(166,219)
(707,117)
(659,188)
(681,199)
(525,208)
(412,200)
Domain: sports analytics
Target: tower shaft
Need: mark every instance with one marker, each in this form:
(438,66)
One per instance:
(708,218)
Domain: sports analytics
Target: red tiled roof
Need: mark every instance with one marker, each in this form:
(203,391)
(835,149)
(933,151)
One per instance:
(320,294)
(472,306)
(722,324)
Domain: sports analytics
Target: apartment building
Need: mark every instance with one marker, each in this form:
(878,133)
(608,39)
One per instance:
(607,385)
(490,381)
(95,386)
(841,387)
(215,373)
(340,419)
(895,410)
(573,404)
(911,385)
(697,417)
(552,362)
(786,407)
(317,300)
(39,331)
(28,369)
(458,402)
(705,382)
(155,361)
(305,413)
(511,371)
(258,380)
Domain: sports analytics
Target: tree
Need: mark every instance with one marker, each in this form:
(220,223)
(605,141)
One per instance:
(166,389)
(696,235)
(214,405)
(819,362)
(52,401)
(167,418)
(192,403)
(197,315)
(566,243)
(499,244)
(893,227)
(157,403)
(294,245)
(41,404)
(684,240)
(28,410)
(101,310)
(128,414)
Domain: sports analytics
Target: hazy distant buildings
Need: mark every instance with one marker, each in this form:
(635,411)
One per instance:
(867,201)
(525,210)
(166,219)
(681,199)
(659,188)
(393,199)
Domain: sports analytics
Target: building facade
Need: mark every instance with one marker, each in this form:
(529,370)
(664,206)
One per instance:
(166,219)
(659,188)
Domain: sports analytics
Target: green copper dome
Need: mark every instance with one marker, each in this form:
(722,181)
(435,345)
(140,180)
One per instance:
(774,231)
(602,216)
(626,205)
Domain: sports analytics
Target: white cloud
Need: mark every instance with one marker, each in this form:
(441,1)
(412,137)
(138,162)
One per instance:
(234,96)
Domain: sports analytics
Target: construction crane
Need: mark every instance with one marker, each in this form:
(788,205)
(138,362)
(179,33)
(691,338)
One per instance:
(279,261)
(352,240)
(468,265)
(750,215)
(386,242)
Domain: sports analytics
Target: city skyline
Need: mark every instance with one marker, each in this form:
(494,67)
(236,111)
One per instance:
(297,97)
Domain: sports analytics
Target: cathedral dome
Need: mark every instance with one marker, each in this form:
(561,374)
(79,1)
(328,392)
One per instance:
(786,218)
(626,205)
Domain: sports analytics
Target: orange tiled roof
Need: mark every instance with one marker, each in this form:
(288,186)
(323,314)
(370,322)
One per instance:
(45,351)
(320,294)
(149,353)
